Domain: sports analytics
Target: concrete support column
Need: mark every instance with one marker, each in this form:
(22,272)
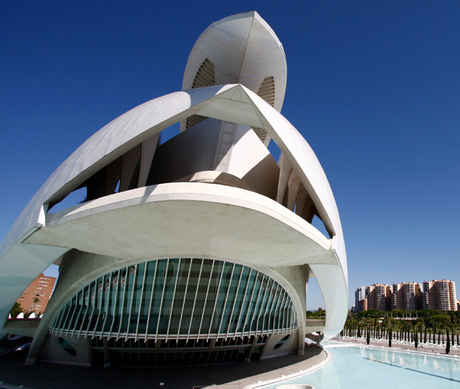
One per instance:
(301,340)
(250,350)
(105,344)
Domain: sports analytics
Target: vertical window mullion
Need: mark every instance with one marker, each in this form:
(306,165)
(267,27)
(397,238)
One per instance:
(173,297)
(255,305)
(128,324)
(240,317)
(162,297)
(271,319)
(281,314)
(99,302)
(249,304)
(56,321)
(122,306)
(262,303)
(206,298)
(194,300)
(268,307)
(235,299)
(61,319)
(101,311)
(86,310)
(77,311)
(91,305)
(215,302)
(151,297)
(73,314)
(109,289)
(226,301)
(185,297)
(285,313)
(115,305)
(140,301)
(66,317)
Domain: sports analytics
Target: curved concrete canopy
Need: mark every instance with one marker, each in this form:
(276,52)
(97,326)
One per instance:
(233,103)
(228,223)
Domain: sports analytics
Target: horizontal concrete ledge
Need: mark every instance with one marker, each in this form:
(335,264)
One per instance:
(229,223)
(314,325)
(315,322)
(24,327)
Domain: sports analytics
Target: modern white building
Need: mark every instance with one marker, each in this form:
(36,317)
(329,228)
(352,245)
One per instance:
(197,249)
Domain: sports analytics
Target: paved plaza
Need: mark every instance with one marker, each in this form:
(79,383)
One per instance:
(231,376)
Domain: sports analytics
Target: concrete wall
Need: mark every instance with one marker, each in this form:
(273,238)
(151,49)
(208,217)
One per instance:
(289,347)
(189,152)
(53,353)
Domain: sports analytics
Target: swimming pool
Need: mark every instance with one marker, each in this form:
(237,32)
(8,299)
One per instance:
(360,367)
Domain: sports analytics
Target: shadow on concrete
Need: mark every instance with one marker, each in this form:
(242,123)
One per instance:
(51,376)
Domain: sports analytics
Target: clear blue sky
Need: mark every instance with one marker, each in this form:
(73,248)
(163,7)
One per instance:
(374,86)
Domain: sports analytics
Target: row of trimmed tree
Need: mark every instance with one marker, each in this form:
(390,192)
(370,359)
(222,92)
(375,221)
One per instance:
(437,328)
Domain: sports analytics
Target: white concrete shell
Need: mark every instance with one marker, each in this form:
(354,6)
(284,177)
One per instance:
(244,49)
(269,235)
(232,103)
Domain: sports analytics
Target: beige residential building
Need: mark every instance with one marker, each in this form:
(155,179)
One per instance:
(407,296)
(362,305)
(378,297)
(440,295)
(35,298)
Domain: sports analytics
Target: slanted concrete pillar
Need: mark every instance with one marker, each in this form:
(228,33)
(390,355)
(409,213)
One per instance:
(105,345)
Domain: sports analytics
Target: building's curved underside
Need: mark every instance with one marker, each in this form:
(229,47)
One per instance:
(213,196)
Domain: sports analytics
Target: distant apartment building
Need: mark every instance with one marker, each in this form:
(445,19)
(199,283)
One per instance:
(360,296)
(409,296)
(362,305)
(35,298)
(378,297)
(440,295)
(406,296)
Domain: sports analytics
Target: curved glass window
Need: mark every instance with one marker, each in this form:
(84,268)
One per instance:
(178,298)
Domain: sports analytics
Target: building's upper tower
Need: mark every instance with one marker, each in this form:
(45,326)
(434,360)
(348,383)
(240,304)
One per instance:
(241,49)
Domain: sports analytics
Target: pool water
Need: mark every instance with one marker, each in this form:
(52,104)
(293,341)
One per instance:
(359,367)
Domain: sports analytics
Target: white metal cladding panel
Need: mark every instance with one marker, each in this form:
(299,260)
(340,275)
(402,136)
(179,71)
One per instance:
(178,298)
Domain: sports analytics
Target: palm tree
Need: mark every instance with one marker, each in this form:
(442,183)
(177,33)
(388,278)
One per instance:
(16,310)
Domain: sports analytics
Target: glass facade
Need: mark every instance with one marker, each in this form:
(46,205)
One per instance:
(178,298)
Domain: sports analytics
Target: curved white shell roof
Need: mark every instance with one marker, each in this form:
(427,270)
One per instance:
(244,58)
(230,102)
